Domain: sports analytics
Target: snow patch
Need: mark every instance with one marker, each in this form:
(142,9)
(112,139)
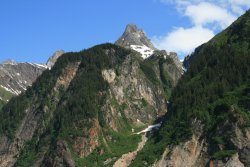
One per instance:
(150,128)
(183,70)
(39,65)
(143,50)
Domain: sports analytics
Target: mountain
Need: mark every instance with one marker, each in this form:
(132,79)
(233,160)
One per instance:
(87,110)
(208,119)
(16,77)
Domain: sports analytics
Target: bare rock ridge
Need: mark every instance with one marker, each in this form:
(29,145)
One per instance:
(54,57)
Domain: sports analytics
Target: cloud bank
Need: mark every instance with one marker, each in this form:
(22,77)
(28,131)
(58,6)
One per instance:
(206,17)
(183,40)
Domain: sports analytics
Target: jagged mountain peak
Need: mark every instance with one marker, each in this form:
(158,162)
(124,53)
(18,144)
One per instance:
(134,36)
(136,39)
(132,28)
(54,58)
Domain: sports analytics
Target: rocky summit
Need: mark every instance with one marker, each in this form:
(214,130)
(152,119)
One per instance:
(134,36)
(137,40)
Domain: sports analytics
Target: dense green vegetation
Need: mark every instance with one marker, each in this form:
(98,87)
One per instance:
(5,95)
(35,97)
(215,90)
(120,144)
(1,104)
(159,77)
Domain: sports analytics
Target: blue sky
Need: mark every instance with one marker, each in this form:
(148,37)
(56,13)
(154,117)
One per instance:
(32,30)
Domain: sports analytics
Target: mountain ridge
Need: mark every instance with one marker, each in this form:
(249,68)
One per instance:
(15,77)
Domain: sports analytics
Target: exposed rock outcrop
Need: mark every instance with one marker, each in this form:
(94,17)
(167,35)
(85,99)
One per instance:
(50,63)
(195,152)
(62,157)
(129,88)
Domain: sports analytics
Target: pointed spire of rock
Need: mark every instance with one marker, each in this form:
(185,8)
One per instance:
(50,63)
(134,36)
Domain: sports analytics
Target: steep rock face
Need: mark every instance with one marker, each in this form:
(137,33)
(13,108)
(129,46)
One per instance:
(191,153)
(143,101)
(187,153)
(195,152)
(52,60)
(63,156)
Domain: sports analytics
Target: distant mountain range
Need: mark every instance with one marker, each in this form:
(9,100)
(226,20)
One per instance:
(16,77)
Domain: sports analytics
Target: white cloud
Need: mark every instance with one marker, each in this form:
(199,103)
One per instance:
(205,13)
(239,6)
(182,40)
(207,17)
(240,2)
(230,5)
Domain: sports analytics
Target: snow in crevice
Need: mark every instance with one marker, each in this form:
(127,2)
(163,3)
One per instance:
(150,128)
(22,86)
(39,65)
(11,90)
(8,89)
(184,70)
(143,50)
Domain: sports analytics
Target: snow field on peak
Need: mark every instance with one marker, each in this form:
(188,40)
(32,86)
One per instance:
(143,50)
